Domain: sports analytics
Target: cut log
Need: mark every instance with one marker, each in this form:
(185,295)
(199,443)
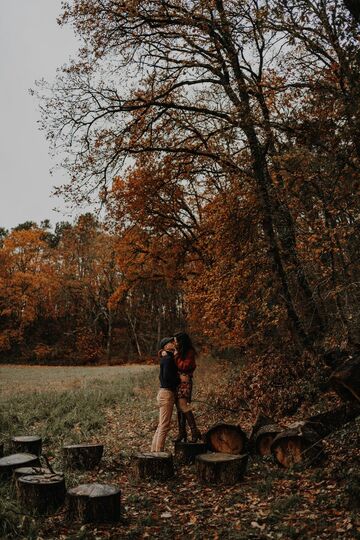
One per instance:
(41,493)
(152,465)
(30,444)
(261,421)
(91,503)
(264,437)
(186,452)
(346,380)
(220,468)
(14,461)
(226,438)
(82,456)
(297,445)
(326,423)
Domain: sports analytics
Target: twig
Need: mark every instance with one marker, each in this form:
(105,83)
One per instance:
(216,406)
(48,464)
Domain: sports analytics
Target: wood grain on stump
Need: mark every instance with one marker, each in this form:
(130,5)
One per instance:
(30,444)
(264,437)
(91,503)
(185,452)
(220,468)
(152,465)
(226,438)
(82,456)
(297,445)
(41,493)
(14,461)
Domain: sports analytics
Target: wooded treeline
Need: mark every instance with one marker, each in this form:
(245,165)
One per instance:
(64,298)
(222,136)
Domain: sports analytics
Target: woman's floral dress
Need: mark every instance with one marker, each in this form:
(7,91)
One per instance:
(186,366)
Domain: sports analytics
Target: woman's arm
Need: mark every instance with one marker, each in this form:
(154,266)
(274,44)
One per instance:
(187,364)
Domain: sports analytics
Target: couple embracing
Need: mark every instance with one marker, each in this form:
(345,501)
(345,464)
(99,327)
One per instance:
(177,365)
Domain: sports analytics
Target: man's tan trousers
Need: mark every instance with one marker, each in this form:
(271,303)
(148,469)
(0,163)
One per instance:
(165,400)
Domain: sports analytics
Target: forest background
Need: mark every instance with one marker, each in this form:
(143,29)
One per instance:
(221,139)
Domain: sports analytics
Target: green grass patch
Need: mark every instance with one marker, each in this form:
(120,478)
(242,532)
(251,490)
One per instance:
(70,416)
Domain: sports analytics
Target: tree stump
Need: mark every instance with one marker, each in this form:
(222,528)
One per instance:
(152,465)
(220,468)
(226,438)
(91,503)
(30,444)
(29,471)
(346,380)
(186,452)
(264,437)
(297,445)
(14,461)
(41,493)
(82,456)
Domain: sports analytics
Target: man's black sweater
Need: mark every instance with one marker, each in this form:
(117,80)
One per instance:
(169,377)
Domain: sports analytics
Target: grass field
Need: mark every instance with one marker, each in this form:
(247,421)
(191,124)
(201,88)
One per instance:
(16,379)
(116,406)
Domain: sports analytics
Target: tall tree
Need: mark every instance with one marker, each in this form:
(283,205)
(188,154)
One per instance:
(227,88)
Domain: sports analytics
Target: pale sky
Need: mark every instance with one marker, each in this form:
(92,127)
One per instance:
(32,46)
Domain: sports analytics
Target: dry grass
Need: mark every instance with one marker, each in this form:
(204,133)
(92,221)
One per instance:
(15,380)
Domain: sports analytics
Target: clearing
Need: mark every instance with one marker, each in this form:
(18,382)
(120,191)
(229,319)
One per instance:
(117,406)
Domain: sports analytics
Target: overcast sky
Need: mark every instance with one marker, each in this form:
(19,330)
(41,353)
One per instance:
(32,46)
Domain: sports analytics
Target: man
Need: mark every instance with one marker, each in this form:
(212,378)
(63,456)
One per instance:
(169,380)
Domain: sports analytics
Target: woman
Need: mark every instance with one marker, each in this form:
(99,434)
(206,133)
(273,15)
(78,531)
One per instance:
(185,361)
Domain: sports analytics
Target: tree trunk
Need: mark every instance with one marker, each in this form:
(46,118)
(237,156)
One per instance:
(226,438)
(326,423)
(41,494)
(27,444)
(91,503)
(134,333)
(82,456)
(267,200)
(219,468)
(152,465)
(346,380)
(109,336)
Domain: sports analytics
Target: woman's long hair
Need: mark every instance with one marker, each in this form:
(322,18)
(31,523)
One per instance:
(184,344)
